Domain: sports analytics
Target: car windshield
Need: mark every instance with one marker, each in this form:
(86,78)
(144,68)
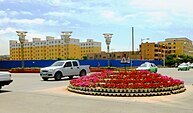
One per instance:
(143,65)
(58,64)
(183,64)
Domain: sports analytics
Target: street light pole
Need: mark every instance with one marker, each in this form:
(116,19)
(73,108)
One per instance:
(164,57)
(22,35)
(108,37)
(66,35)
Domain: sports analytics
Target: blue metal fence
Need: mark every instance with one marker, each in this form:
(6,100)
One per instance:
(92,63)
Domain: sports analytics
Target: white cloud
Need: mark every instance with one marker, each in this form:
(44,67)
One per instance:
(6,35)
(7,30)
(157,17)
(63,3)
(169,5)
(4,46)
(112,16)
(37,21)
(54,2)
(26,13)
(14,13)
(65,23)
(52,22)
(34,34)
(57,14)
(3,13)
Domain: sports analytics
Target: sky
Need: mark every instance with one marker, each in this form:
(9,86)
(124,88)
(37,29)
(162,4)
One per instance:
(89,19)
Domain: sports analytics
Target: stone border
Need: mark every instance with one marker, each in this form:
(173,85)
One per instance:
(127,92)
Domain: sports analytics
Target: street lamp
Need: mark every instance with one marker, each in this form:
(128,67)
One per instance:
(164,57)
(22,35)
(108,37)
(66,35)
(142,39)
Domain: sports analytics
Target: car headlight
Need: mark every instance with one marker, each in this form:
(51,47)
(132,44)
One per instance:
(50,70)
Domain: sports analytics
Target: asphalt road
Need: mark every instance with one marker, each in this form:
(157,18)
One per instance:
(29,94)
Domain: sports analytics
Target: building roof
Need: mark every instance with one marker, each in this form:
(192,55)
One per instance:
(178,39)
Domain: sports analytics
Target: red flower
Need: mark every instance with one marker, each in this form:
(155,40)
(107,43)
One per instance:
(122,80)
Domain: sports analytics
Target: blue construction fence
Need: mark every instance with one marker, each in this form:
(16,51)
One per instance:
(93,63)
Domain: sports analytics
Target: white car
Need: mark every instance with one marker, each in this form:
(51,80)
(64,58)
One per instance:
(191,65)
(148,66)
(5,78)
(183,66)
(64,68)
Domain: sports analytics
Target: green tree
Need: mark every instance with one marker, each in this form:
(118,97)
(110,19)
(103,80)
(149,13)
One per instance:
(85,57)
(171,60)
(184,58)
(59,59)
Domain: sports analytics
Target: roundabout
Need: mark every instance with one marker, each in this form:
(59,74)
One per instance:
(126,84)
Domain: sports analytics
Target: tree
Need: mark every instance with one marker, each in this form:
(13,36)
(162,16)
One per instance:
(170,60)
(59,59)
(85,57)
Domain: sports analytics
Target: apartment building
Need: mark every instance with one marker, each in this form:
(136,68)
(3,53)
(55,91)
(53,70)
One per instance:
(147,51)
(52,48)
(159,50)
(89,47)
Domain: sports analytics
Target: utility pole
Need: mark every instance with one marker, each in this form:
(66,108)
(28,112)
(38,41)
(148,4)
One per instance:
(132,30)
(132,40)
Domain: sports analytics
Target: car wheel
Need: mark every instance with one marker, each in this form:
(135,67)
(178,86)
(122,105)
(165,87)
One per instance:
(58,76)
(45,79)
(70,77)
(83,73)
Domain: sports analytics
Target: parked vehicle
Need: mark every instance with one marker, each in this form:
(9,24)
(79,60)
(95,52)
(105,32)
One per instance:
(64,68)
(148,66)
(5,78)
(183,66)
(191,65)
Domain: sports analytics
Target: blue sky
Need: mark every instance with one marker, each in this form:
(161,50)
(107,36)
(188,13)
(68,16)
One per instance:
(154,19)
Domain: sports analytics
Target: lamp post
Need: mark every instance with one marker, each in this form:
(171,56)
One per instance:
(164,57)
(141,45)
(66,35)
(22,35)
(108,37)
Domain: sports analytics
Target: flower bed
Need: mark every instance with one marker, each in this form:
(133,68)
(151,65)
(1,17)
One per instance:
(133,83)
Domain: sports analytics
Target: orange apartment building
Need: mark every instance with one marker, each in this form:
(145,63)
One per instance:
(159,50)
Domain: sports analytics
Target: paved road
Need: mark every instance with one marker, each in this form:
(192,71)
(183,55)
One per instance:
(29,94)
